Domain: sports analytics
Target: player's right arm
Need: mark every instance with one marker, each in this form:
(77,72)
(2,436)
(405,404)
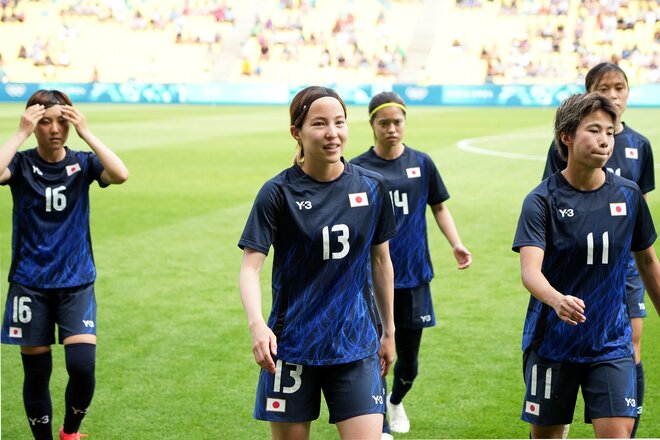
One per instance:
(569,308)
(264,342)
(26,126)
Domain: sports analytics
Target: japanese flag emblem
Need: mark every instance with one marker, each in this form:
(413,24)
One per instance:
(618,209)
(413,172)
(15,332)
(358,199)
(532,408)
(631,153)
(276,405)
(71,169)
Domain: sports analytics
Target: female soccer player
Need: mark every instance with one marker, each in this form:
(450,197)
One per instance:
(51,280)
(575,234)
(633,159)
(413,182)
(329,223)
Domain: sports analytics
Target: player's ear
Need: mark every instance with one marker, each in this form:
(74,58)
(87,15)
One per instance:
(295,132)
(567,139)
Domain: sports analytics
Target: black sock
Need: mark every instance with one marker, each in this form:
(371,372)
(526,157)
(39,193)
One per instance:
(640,396)
(80,363)
(407,343)
(36,394)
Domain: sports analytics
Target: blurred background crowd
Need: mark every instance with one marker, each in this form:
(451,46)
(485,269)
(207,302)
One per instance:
(327,41)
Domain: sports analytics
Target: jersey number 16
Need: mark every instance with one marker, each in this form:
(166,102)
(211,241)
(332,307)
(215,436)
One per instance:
(55,198)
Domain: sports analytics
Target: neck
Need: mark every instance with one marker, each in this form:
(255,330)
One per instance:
(584,179)
(323,172)
(619,127)
(387,152)
(51,156)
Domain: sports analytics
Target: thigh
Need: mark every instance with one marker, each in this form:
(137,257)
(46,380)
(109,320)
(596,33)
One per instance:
(413,308)
(610,388)
(551,390)
(29,318)
(76,312)
(635,297)
(354,389)
(292,394)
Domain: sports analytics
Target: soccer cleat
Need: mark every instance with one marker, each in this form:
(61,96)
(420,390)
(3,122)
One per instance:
(386,436)
(74,436)
(398,419)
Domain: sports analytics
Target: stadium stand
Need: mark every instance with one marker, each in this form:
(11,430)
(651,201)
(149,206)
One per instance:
(327,41)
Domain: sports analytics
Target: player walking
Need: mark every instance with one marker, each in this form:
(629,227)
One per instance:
(51,280)
(326,220)
(413,182)
(575,234)
(632,158)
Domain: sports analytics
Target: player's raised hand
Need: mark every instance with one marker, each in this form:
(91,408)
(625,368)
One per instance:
(463,256)
(30,118)
(570,309)
(264,347)
(77,118)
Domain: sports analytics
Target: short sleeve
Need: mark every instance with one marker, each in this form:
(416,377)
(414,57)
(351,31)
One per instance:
(531,230)
(261,227)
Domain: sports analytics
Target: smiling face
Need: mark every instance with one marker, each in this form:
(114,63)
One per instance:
(591,145)
(389,126)
(52,130)
(322,135)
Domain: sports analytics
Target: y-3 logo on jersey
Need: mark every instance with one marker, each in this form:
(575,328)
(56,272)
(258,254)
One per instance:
(36,170)
(568,212)
(305,204)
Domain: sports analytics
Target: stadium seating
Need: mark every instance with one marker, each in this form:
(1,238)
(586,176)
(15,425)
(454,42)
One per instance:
(327,41)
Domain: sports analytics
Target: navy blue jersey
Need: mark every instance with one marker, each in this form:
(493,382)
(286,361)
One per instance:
(587,238)
(413,182)
(322,310)
(51,244)
(632,158)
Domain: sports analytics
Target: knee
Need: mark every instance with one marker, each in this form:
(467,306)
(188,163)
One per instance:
(80,359)
(406,368)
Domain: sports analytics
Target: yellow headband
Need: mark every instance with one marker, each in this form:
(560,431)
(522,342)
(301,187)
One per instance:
(387,104)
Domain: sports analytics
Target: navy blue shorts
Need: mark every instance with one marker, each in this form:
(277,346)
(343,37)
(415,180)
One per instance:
(609,389)
(293,393)
(31,314)
(635,297)
(413,308)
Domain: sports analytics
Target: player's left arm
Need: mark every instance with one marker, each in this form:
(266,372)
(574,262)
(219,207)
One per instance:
(383,285)
(114,170)
(649,269)
(446,224)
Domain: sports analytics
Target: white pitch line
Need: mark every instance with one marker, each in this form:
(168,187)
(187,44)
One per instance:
(468,145)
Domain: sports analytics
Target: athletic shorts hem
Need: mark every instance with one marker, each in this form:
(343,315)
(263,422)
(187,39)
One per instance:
(536,422)
(358,414)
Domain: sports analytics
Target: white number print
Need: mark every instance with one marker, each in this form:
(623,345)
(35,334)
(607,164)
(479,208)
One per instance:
(22,312)
(55,199)
(295,374)
(342,239)
(400,200)
(590,248)
(548,382)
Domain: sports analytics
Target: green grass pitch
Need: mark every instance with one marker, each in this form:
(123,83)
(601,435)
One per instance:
(174,357)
